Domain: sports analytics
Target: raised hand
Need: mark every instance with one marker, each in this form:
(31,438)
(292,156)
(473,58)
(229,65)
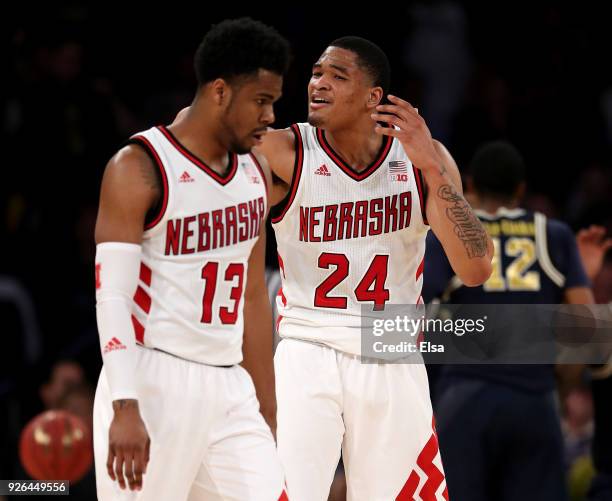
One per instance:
(593,246)
(412,132)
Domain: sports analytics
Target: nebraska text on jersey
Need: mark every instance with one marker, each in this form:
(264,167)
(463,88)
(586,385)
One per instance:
(347,239)
(217,228)
(355,219)
(195,252)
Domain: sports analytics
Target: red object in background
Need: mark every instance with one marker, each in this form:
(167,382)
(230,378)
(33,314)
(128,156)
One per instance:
(56,445)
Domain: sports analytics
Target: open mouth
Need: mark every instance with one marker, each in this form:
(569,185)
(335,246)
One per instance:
(317,103)
(258,136)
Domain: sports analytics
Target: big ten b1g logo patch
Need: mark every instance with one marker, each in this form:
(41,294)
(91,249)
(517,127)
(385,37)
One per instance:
(251,173)
(398,171)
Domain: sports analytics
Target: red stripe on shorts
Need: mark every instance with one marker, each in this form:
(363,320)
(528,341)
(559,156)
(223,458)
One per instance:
(407,492)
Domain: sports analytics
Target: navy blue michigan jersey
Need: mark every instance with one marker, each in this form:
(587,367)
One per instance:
(536,259)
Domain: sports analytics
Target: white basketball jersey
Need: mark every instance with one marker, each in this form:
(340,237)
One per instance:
(347,240)
(195,252)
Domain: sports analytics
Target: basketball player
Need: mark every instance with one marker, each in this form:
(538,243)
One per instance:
(593,246)
(179,274)
(356,202)
(513,444)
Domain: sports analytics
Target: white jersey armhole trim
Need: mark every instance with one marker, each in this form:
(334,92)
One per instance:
(542,251)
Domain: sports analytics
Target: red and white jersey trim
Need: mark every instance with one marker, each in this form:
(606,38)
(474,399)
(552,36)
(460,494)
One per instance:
(348,240)
(195,252)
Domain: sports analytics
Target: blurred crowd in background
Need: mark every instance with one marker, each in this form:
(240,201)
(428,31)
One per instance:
(79,80)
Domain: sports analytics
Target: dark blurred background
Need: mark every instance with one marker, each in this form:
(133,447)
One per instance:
(78,80)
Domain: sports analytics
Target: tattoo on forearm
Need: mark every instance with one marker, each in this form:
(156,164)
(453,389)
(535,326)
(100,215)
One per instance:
(467,226)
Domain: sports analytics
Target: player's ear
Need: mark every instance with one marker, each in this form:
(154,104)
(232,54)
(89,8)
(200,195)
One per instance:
(375,97)
(220,91)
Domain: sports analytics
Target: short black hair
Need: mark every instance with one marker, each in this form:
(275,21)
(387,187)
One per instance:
(240,47)
(497,169)
(370,57)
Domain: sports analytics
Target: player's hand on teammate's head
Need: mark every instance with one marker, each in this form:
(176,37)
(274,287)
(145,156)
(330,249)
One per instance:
(129,443)
(593,246)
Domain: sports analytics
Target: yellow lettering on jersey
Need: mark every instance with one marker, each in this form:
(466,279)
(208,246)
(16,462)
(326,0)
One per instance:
(517,277)
(517,228)
(496,281)
(493,229)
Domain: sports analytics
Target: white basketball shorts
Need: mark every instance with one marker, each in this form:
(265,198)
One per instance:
(208,439)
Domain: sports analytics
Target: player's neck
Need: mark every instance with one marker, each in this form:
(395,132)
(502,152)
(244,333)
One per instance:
(491,205)
(199,137)
(358,145)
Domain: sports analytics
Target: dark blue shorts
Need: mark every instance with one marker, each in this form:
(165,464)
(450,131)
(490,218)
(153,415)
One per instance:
(499,443)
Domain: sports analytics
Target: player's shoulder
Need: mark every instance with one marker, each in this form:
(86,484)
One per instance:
(276,146)
(286,138)
(132,166)
(279,149)
(439,147)
(559,236)
(555,228)
(278,138)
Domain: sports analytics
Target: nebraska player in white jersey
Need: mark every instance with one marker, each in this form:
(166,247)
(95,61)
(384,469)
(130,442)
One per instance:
(179,279)
(356,202)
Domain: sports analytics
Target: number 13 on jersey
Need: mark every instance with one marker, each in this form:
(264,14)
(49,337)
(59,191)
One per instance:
(209,275)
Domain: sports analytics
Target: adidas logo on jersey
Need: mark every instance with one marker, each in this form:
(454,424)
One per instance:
(186,178)
(114,344)
(323,171)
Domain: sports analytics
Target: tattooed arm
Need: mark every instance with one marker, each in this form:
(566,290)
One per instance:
(466,243)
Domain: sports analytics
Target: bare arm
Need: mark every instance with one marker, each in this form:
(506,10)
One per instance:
(465,241)
(278,148)
(462,235)
(257,346)
(130,188)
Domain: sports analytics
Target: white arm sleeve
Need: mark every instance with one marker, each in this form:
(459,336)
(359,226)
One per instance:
(117,272)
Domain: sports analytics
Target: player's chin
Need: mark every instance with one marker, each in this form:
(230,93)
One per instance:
(244,147)
(316,118)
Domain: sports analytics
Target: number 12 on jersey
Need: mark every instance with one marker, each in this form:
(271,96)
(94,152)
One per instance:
(370,288)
